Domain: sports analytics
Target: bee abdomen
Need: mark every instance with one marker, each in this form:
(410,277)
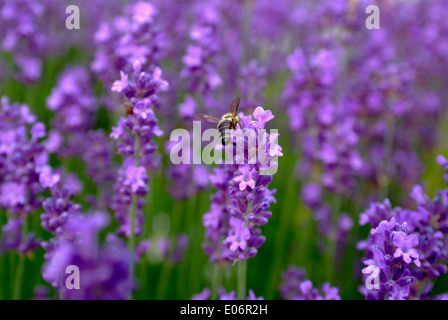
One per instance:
(224,131)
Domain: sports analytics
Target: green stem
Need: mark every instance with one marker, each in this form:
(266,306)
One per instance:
(242,265)
(132,237)
(331,249)
(195,236)
(21,267)
(242,278)
(19,277)
(216,281)
(164,281)
(289,197)
(131,243)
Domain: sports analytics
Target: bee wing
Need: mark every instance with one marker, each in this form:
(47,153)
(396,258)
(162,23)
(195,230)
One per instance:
(209,118)
(234,105)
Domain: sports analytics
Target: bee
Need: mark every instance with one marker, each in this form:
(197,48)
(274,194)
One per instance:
(129,110)
(228,121)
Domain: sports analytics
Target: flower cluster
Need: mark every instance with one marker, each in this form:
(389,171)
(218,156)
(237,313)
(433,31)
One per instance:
(12,238)
(199,61)
(223,295)
(408,247)
(32,29)
(329,137)
(296,286)
(361,110)
(242,199)
(135,134)
(22,34)
(59,208)
(201,79)
(252,83)
(216,220)
(129,38)
(22,158)
(392,251)
(104,268)
(98,157)
(74,105)
(384,110)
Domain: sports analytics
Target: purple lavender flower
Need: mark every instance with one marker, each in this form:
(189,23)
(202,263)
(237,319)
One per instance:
(405,247)
(21,158)
(59,208)
(408,246)
(238,236)
(98,157)
(223,295)
(295,286)
(376,213)
(203,295)
(216,220)
(31,30)
(22,34)
(394,276)
(163,247)
(441,160)
(246,177)
(136,179)
(121,202)
(74,105)
(312,194)
(187,180)
(242,200)
(181,246)
(198,60)
(187,109)
(72,100)
(104,269)
(252,296)
(135,135)
(252,82)
(41,293)
(131,37)
(47,178)
(12,238)
(328,130)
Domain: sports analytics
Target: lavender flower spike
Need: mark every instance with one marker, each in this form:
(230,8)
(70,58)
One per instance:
(242,199)
(135,135)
